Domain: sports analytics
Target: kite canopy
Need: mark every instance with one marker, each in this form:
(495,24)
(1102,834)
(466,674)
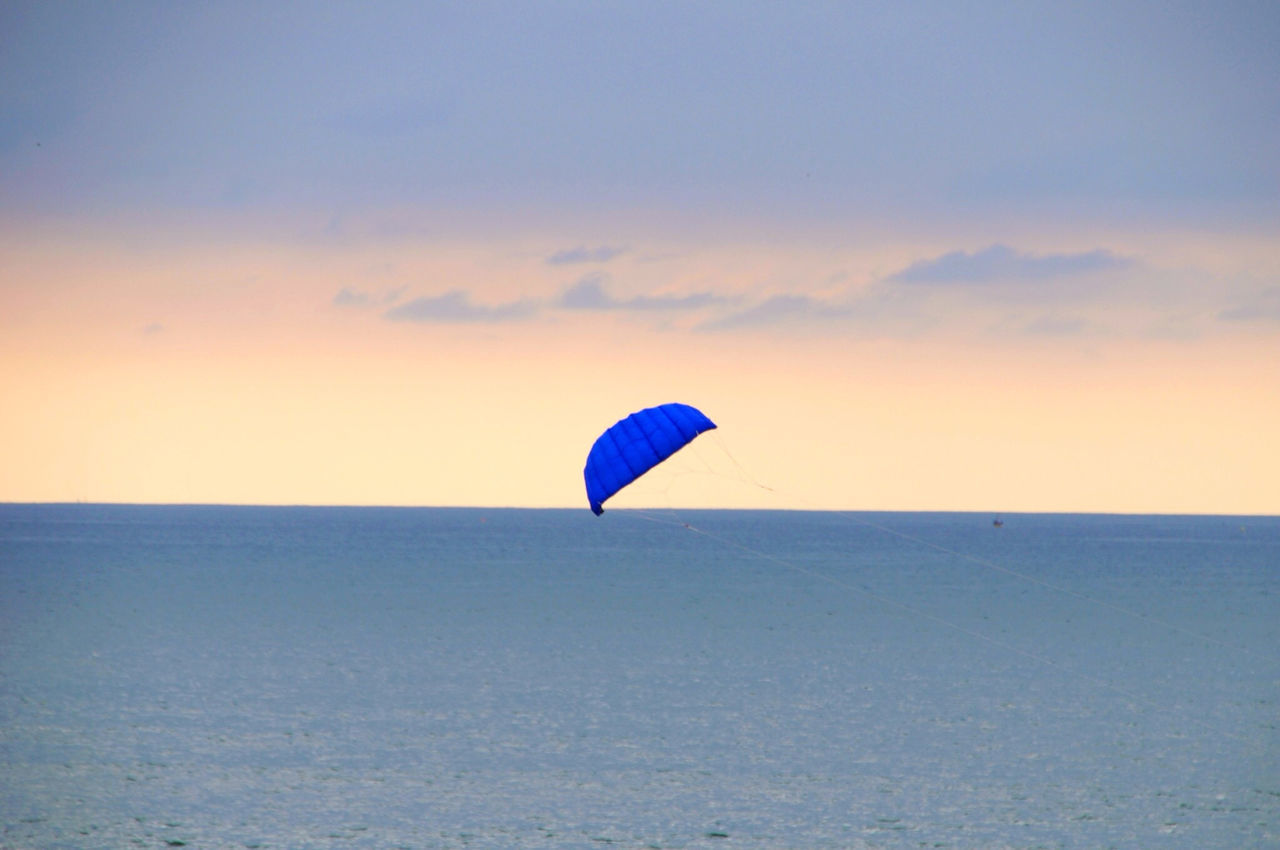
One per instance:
(636,444)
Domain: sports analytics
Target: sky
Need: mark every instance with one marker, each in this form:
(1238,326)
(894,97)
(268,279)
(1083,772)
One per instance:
(909,256)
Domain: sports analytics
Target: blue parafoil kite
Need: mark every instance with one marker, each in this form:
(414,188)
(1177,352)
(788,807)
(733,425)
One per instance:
(636,444)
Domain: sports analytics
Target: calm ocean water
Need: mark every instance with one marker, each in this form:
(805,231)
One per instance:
(440,678)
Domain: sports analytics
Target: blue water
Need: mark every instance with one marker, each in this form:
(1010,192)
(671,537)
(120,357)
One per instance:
(440,678)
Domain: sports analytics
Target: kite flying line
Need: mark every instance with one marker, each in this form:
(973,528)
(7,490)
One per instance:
(746,478)
(637,443)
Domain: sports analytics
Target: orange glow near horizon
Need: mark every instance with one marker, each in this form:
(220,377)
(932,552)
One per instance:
(229,375)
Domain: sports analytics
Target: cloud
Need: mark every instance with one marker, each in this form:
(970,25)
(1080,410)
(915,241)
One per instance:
(456,307)
(348,297)
(1264,306)
(582,254)
(589,294)
(152,329)
(777,310)
(1058,326)
(352,298)
(1000,262)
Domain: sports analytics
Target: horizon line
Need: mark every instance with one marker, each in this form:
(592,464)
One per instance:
(668,508)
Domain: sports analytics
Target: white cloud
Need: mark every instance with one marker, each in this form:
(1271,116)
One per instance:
(589,294)
(1002,263)
(1264,306)
(456,307)
(779,309)
(582,254)
(1053,325)
(357,298)
(352,298)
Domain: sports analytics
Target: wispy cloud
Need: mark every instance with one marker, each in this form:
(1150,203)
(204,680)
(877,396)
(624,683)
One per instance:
(456,307)
(1059,326)
(356,298)
(583,254)
(1001,263)
(589,294)
(779,309)
(352,298)
(1264,306)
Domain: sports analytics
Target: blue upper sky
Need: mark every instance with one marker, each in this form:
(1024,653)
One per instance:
(800,111)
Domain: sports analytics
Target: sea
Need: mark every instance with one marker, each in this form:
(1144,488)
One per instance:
(308,677)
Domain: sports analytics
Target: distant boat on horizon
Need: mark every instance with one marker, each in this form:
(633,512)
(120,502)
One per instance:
(998,522)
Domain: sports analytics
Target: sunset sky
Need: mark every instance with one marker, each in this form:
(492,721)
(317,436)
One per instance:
(971,256)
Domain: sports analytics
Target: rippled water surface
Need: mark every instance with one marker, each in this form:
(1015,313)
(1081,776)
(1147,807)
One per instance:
(440,678)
